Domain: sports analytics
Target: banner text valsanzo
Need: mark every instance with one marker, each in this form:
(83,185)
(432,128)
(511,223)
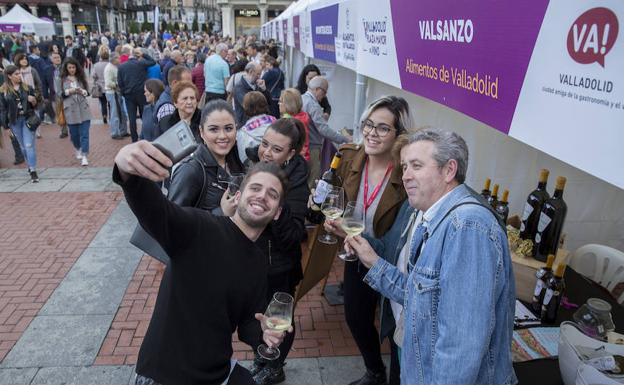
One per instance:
(478,83)
(457,30)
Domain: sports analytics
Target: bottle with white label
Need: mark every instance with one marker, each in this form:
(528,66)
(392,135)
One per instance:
(329,179)
(533,206)
(550,223)
(542,275)
(554,293)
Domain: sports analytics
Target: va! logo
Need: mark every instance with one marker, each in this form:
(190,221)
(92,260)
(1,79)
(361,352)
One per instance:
(592,35)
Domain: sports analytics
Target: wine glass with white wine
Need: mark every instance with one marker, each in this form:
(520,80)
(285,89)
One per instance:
(332,208)
(278,317)
(352,224)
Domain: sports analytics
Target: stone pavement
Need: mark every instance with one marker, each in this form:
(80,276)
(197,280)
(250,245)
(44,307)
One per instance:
(76,297)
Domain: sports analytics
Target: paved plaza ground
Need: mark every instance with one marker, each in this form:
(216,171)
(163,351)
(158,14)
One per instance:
(76,297)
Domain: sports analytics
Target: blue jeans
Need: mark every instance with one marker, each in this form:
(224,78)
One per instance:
(26,140)
(79,134)
(118,119)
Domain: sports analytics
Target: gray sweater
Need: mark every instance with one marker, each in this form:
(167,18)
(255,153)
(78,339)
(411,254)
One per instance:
(320,129)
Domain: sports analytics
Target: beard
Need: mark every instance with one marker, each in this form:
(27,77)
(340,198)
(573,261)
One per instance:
(254,222)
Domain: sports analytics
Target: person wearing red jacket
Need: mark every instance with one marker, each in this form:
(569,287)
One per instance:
(290,105)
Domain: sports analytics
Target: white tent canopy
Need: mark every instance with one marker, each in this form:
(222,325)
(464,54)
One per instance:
(18,20)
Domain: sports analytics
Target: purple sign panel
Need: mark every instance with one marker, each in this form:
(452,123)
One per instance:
(324,31)
(285,31)
(471,56)
(10,27)
(296,32)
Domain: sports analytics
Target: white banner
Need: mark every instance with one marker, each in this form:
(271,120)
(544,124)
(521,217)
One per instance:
(571,105)
(150,16)
(375,42)
(201,17)
(140,17)
(346,51)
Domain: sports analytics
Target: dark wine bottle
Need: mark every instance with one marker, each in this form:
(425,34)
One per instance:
(329,179)
(550,224)
(493,198)
(533,207)
(502,208)
(554,293)
(486,189)
(542,275)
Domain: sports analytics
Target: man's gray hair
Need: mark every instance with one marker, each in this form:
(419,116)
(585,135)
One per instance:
(251,66)
(220,48)
(448,145)
(318,82)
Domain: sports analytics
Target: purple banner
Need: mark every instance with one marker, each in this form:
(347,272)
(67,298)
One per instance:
(324,30)
(285,31)
(10,27)
(296,33)
(471,56)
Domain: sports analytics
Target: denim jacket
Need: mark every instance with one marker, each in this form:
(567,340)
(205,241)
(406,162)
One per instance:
(459,299)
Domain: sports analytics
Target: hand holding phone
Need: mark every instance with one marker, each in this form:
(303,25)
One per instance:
(177,142)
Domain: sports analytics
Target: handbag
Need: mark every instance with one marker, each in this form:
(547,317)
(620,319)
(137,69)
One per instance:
(141,239)
(33,121)
(60,114)
(96,89)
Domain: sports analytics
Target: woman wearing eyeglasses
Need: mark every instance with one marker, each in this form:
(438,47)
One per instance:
(202,179)
(372,178)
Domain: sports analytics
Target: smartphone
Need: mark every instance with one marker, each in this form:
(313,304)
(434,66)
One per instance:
(177,142)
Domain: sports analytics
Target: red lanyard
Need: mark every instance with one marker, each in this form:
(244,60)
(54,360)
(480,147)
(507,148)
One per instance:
(368,201)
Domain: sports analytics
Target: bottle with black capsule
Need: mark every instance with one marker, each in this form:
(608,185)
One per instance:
(542,275)
(553,295)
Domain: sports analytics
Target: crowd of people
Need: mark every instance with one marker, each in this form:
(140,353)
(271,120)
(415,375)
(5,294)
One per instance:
(234,213)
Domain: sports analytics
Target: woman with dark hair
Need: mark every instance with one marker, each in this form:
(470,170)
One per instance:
(250,135)
(202,178)
(308,72)
(372,179)
(17,102)
(184,97)
(149,125)
(274,80)
(74,87)
(281,240)
(30,76)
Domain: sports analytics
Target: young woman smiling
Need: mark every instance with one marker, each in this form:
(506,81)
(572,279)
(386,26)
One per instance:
(209,168)
(373,180)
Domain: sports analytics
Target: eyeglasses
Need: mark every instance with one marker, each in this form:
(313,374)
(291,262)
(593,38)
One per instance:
(382,129)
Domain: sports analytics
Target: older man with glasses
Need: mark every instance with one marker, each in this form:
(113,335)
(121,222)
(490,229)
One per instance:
(319,129)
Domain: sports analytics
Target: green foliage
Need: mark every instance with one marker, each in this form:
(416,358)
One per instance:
(147,26)
(164,26)
(133,26)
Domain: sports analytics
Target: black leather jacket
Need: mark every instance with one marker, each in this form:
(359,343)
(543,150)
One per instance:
(281,240)
(187,179)
(8,106)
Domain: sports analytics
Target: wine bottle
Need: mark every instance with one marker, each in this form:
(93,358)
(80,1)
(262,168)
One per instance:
(551,219)
(502,208)
(542,275)
(486,188)
(493,198)
(533,206)
(554,293)
(330,178)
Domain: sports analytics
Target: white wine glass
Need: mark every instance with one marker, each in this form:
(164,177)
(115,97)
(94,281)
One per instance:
(332,208)
(278,317)
(352,224)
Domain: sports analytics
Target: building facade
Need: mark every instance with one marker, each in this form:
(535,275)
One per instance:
(240,17)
